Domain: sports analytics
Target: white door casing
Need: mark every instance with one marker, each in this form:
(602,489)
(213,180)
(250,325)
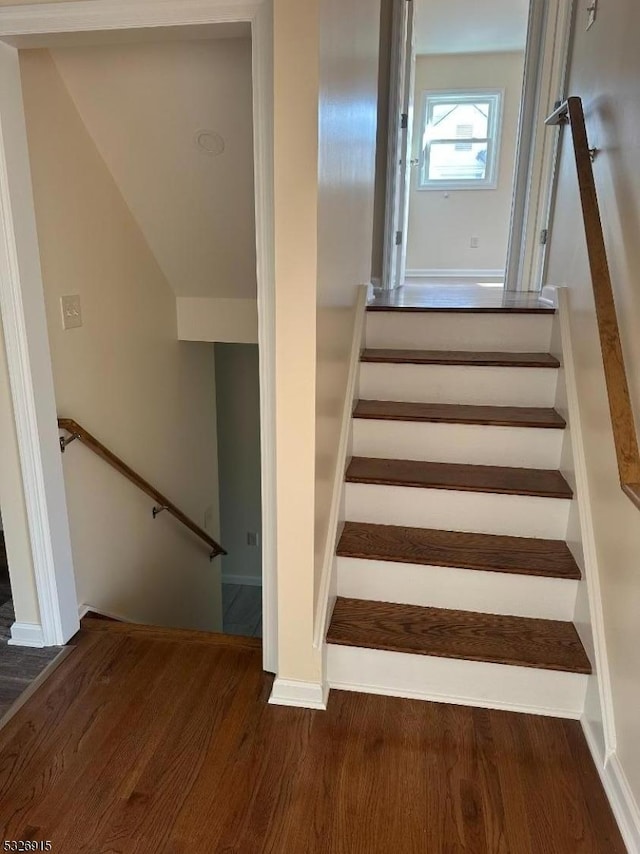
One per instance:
(399,147)
(22,296)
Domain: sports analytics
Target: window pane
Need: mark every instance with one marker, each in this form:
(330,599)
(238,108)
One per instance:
(449,161)
(446,120)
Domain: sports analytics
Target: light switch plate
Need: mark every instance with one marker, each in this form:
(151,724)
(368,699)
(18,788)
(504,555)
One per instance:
(592,11)
(71,311)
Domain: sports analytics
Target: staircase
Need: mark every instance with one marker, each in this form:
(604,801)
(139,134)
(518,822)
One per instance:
(454,579)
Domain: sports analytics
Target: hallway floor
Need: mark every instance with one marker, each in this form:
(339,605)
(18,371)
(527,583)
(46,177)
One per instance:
(19,666)
(242,610)
(162,742)
(445,296)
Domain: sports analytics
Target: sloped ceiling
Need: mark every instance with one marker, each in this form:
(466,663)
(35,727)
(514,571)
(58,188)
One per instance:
(173,122)
(469,26)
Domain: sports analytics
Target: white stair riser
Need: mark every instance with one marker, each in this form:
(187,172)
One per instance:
(506,332)
(481,386)
(458,589)
(452,510)
(469,683)
(529,447)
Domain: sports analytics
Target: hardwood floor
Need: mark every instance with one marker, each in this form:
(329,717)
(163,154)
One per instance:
(140,742)
(19,666)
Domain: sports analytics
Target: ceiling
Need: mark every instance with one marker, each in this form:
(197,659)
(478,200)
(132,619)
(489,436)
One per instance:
(173,123)
(469,26)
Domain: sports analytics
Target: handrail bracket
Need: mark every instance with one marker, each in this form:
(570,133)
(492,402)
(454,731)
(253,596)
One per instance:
(64,441)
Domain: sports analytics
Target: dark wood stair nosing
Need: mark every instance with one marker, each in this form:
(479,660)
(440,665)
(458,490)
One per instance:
(452,309)
(525,417)
(499,480)
(534,557)
(459,358)
(446,633)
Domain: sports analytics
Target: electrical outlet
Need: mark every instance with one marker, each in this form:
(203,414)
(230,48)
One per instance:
(252,538)
(474,243)
(71,311)
(592,11)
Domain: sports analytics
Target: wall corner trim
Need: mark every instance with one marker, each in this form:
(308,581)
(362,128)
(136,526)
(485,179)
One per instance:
(618,791)
(27,634)
(328,563)
(296,692)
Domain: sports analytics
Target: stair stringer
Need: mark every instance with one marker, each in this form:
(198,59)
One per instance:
(598,716)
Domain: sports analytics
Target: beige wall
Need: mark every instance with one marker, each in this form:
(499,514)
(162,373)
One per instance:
(349,45)
(326,55)
(124,376)
(441,223)
(296,88)
(607,80)
(143,105)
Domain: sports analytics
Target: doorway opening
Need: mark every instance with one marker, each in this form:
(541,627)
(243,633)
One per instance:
(464,173)
(169,337)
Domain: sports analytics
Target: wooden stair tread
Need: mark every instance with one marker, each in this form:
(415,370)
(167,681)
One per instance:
(450,308)
(461,357)
(456,413)
(93,624)
(431,547)
(462,477)
(520,641)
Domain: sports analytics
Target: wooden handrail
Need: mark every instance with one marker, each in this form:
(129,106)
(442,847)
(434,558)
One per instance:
(624,430)
(78,432)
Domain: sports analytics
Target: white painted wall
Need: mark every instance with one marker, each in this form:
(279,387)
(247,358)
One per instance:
(143,105)
(123,376)
(441,223)
(349,45)
(326,54)
(238,419)
(604,71)
(211,319)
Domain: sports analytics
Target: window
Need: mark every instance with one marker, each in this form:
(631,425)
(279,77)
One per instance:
(460,136)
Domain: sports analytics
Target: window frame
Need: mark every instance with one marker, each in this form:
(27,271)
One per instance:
(494,130)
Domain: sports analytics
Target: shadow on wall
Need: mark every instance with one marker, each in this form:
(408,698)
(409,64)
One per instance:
(238,408)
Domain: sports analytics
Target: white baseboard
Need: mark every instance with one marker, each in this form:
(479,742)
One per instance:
(454,274)
(26,634)
(295,692)
(83,610)
(247,580)
(616,786)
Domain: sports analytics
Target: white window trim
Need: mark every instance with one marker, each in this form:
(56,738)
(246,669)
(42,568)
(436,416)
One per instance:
(491,181)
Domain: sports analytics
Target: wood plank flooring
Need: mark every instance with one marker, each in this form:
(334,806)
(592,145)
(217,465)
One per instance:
(434,547)
(142,743)
(459,413)
(467,478)
(19,666)
(461,357)
(442,632)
